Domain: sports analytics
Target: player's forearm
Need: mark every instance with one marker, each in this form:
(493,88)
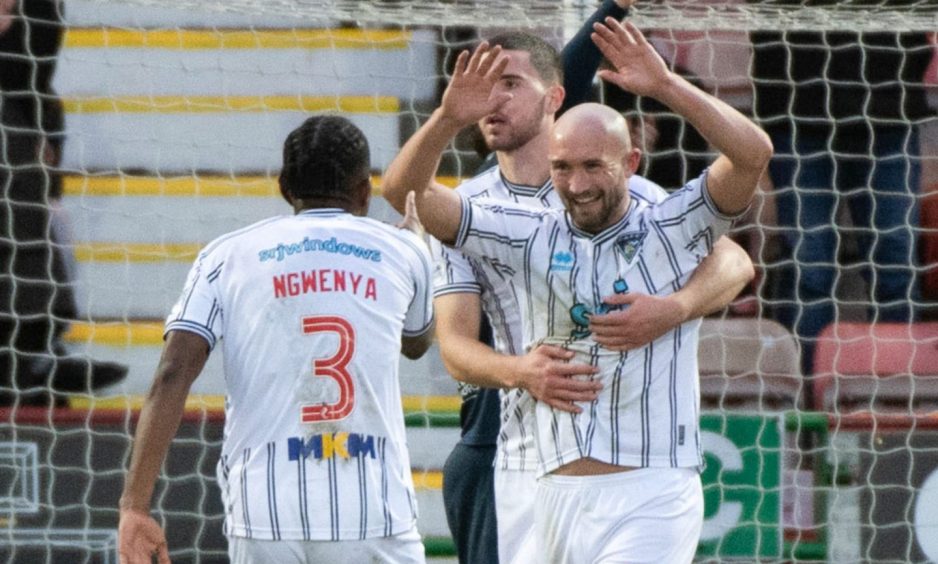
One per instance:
(415,166)
(717,280)
(438,207)
(729,131)
(184,355)
(159,421)
(473,362)
(581,57)
(415,346)
(745,148)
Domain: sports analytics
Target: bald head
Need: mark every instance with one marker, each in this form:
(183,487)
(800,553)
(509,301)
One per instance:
(589,121)
(591,160)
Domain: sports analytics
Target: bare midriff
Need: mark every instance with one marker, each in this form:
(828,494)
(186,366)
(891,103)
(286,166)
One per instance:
(589,467)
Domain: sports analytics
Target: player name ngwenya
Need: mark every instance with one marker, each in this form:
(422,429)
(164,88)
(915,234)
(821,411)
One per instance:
(325,280)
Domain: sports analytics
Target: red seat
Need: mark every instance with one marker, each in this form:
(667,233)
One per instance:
(886,365)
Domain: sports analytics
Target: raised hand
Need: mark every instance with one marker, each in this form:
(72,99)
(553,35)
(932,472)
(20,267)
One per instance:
(639,68)
(140,538)
(468,97)
(646,318)
(548,376)
(411,221)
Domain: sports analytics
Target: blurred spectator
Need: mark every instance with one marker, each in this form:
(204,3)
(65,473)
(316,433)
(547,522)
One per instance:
(843,110)
(35,299)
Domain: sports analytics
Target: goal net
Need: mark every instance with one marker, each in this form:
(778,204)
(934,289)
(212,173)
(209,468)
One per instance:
(818,394)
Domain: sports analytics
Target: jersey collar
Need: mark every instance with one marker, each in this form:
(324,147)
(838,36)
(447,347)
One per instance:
(607,233)
(323,212)
(527,191)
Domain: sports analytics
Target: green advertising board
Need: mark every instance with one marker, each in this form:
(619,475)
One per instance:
(742,486)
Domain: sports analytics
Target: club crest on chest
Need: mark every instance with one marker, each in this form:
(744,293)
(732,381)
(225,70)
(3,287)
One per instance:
(629,244)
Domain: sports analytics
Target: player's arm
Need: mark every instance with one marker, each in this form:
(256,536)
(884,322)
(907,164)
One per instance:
(717,281)
(182,360)
(415,346)
(581,57)
(745,149)
(466,100)
(712,286)
(544,372)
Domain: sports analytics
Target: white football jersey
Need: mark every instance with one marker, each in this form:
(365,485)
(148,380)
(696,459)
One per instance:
(457,273)
(310,310)
(647,412)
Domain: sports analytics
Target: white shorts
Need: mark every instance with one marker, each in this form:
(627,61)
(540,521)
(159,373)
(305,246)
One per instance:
(651,515)
(404,548)
(514,510)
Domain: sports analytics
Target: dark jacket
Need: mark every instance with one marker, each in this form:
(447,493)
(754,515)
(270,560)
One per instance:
(28,53)
(31,268)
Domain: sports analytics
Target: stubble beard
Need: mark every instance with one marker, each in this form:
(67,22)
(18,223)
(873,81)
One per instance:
(519,136)
(596,222)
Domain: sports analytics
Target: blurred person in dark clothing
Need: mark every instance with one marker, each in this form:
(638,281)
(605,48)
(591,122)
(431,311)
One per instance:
(843,110)
(36,302)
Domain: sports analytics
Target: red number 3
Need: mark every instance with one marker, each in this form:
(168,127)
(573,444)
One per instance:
(333,367)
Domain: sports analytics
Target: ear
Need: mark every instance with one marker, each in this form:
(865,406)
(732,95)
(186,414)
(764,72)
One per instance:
(632,160)
(364,193)
(286,195)
(555,95)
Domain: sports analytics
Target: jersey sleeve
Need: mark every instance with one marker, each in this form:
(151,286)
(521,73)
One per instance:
(420,313)
(495,231)
(199,310)
(452,271)
(581,57)
(645,190)
(689,223)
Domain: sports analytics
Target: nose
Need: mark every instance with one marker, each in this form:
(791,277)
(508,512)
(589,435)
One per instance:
(579,182)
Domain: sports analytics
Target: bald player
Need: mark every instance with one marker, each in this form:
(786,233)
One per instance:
(619,477)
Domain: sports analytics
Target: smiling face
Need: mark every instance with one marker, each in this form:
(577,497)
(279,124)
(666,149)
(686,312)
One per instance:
(530,110)
(591,160)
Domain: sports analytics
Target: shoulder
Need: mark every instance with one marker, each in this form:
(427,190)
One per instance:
(486,183)
(390,236)
(643,189)
(509,207)
(693,197)
(230,240)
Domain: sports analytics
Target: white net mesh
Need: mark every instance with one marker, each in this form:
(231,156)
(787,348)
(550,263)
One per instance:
(174,116)
(858,15)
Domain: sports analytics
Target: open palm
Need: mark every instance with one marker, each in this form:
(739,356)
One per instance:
(639,68)
(468,97)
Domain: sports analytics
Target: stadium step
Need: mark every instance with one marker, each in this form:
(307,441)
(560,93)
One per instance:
(169,101)
(270,62)
(218,133)
(135,237)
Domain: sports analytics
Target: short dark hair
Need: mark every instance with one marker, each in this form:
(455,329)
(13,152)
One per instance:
(544,57)
(324,157)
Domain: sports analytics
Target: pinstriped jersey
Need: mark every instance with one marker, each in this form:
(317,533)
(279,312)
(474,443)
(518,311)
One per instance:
(457,273)
(310,310)
(647,412)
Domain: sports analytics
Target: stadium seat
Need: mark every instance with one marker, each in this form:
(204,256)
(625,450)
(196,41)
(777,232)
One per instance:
(748,363)
(862,366)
